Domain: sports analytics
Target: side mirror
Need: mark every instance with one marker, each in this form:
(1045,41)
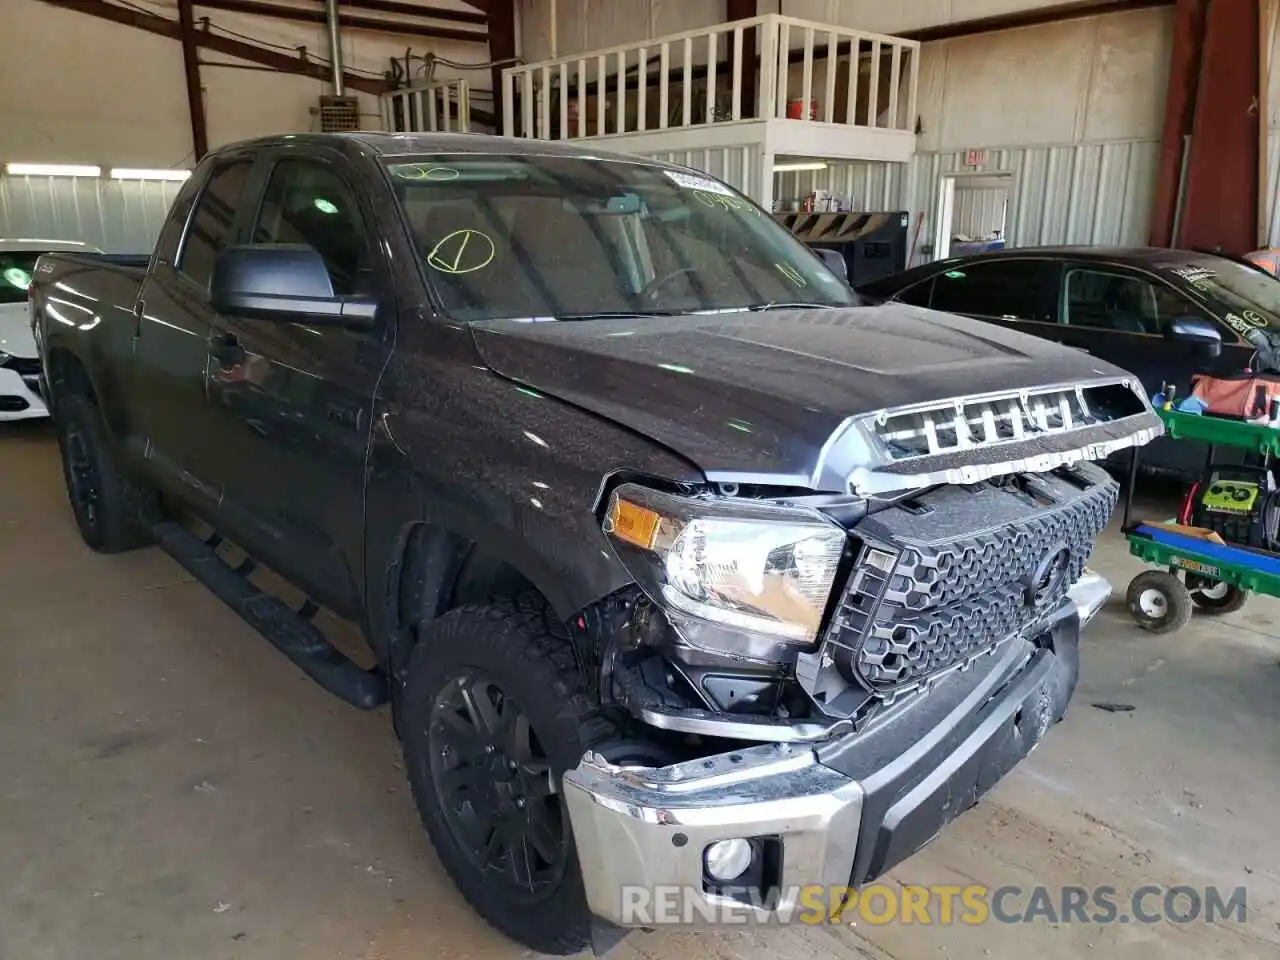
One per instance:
(287,283)
(834,260)
(1202,335)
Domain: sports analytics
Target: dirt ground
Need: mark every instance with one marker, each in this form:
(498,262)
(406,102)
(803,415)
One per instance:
(170,786)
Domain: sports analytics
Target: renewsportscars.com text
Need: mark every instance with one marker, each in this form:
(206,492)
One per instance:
(935,905)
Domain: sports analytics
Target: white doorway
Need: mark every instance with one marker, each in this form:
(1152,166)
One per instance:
(973,213)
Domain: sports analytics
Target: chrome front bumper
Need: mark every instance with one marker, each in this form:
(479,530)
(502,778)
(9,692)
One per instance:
(1089,594)
(840,819)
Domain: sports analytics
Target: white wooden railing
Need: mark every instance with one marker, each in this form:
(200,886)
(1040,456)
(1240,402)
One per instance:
(766,67)
(444,107)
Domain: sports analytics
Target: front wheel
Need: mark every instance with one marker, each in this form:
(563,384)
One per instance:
(495,712)
(1159,602)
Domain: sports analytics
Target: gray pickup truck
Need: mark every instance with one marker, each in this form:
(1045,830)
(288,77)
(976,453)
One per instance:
(677,565)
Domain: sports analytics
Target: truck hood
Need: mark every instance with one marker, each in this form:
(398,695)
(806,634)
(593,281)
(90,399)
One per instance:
(767,397)
(15,330)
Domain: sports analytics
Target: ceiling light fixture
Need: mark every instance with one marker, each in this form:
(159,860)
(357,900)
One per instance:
(52,170)
(793,167)
(130,173)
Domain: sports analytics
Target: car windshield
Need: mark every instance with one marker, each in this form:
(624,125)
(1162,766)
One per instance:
(15,275)
(567,238)
(1247,298)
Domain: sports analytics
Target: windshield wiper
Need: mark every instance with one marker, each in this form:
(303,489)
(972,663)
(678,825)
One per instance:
(617,315)
(787,305)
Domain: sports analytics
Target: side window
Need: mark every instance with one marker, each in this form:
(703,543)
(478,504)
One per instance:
(310,204)
(1008,289)
(1112,300)
(918,294)
(211,224)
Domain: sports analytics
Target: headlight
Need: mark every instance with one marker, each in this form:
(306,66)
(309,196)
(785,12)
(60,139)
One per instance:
(743,565)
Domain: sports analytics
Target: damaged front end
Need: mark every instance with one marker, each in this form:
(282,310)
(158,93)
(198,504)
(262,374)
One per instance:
(832,676)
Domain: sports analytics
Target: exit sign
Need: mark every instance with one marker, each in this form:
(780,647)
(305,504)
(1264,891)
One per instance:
(975,158)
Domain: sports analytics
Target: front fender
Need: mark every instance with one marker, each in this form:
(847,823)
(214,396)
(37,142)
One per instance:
(501,466)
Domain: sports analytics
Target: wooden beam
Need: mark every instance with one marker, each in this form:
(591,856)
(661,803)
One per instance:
(191,67)
(351,22)
(207,40)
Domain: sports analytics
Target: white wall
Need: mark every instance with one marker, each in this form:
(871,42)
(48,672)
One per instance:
(1073,109)
(77,88)
(591,24)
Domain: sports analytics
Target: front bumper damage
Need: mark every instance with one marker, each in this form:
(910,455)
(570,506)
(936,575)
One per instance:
(838,812)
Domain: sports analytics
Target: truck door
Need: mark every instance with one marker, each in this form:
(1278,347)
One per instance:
(289,405)
(173,319)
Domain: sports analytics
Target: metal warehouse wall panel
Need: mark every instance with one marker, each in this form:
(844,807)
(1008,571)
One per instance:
(1085,193)
(738,166)
(866,185)
(978,210)
(119,216)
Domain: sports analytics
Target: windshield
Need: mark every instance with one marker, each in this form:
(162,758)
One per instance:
(576,238)
(15,275)
(1247,298)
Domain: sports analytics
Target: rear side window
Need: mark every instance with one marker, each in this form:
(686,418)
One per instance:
(308,203)
(1007,289)
(918,294)
(211,223)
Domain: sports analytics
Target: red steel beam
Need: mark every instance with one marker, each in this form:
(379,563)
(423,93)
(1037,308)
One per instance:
(303,15)
(1179,115)
(414,10)
(501,17)
(206,39)
(191,67)
(1220,194)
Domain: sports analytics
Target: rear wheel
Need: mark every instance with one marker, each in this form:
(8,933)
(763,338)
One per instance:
(108,506)
(495,712)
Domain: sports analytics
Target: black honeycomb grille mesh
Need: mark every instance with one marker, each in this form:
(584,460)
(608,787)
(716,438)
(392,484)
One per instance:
(949,599)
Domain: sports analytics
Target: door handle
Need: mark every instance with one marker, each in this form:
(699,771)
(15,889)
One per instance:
(225,347)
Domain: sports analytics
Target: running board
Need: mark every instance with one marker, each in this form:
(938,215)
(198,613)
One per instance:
(288,630)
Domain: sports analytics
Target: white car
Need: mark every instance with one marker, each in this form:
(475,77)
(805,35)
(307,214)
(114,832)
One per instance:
(19,363)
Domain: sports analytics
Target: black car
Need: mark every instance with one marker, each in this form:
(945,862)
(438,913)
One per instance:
(1161,314)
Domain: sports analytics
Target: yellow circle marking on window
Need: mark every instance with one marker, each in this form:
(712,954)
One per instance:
(709,199)
(463,251)
(441,173)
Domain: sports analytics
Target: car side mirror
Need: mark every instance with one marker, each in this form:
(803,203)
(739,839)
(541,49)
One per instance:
(1203,336)
(834,260)
(283,282)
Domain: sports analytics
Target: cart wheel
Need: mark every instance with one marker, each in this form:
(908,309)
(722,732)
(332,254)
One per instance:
(1216,597)
(1159,602)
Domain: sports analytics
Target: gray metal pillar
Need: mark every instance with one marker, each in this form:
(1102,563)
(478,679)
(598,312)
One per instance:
(335,45)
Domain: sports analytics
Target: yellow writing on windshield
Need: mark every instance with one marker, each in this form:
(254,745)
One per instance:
(463,251)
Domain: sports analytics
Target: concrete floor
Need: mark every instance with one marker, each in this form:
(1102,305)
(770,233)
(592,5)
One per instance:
(171,787)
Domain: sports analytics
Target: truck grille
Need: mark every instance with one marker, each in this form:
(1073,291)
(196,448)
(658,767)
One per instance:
(938,583)
(959,425)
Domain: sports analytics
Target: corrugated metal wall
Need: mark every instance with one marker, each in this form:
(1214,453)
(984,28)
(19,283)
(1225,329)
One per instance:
(1085,193)
(864,184)
(738,166)
(118,216)
(978,210)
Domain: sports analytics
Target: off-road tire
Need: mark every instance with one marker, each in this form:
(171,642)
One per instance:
(518,643)
(1159,602)
(113,522)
